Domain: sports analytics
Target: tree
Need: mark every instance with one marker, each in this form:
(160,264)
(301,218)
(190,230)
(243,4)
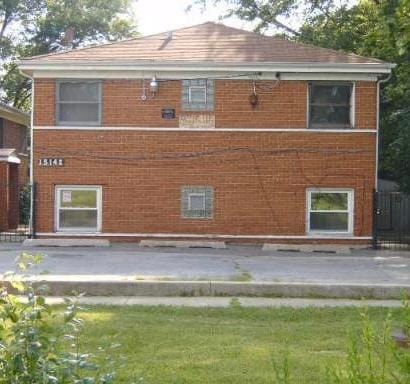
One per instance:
(378,29)
(268,13)
(43,25)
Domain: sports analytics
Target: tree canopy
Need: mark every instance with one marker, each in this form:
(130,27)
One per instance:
(33,27)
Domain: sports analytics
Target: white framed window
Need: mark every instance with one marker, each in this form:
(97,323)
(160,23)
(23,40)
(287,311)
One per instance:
(78,208)
(78,102)
(198,95)
(330,211)
(197,202)
(330,104)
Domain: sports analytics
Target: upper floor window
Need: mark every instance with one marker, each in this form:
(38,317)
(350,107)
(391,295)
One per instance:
(330,105)
(198,95)
(79,102)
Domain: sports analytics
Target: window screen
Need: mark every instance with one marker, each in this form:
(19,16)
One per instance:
(198,95)
(197,201)
(78,208)
(79,103)
(330,105)
(330,211)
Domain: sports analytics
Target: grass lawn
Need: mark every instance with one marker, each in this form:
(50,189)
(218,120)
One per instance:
(232,345)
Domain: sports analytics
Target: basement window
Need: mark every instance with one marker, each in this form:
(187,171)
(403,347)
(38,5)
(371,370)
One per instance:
(78,208)
(197,202)
(330,211)
(78,103)
(330,105)
(198,95)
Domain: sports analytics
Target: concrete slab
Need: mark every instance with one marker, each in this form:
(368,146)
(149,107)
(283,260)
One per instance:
(128,287)
(309,248)
(224,302)
(182,244)
(66,243)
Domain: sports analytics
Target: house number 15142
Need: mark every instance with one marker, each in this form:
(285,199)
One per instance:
(51,162)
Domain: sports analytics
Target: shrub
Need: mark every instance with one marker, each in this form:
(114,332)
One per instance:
(40,343)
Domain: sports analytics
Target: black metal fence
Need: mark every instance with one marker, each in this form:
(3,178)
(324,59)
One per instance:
(15,212)
(392,220)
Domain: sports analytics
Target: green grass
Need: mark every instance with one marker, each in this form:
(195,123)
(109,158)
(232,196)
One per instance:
(232,345)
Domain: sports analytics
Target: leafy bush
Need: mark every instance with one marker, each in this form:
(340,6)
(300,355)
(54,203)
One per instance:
(40,343)
(24,204)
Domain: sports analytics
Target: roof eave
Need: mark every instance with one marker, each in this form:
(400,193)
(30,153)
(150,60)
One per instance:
(15,115)
(29,66)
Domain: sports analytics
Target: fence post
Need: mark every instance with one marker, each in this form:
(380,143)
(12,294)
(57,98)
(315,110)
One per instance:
(33,212)
(375,220)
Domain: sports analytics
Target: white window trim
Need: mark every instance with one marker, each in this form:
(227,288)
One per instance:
(57,208)
(58,102)
(350,211)
(352,105)
(203,87)
(195,194)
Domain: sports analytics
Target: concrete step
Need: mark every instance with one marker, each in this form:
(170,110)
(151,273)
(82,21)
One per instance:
(182,244)
(66,243)
(128,287)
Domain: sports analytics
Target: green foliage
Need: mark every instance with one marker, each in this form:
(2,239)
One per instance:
(39,344)
(378,29)
(372,357)
(42,25)
(24,204)
(267,13)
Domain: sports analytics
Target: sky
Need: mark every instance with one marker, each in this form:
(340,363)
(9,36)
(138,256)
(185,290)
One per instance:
(154,16)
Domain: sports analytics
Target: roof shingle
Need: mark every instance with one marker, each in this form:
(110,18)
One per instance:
(206,43)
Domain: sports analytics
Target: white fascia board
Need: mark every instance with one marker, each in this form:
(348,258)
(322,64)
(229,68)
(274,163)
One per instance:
(168,75)
(28,67)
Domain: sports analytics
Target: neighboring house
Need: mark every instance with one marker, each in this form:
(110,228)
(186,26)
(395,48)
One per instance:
(13,163)
(205,132)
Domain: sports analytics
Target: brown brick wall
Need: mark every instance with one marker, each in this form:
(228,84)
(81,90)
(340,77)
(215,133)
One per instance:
(281,105)
(260,180)
(14,136)
(9,196)
(4,178)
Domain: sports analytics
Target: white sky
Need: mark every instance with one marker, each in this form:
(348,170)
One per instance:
(154,16)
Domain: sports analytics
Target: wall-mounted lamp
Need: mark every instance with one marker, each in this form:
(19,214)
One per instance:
(154,85)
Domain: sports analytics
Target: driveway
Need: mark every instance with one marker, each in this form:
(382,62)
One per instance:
(237,263)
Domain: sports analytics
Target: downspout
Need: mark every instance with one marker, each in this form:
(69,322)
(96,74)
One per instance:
(379,81)
(375,197)
(31,221)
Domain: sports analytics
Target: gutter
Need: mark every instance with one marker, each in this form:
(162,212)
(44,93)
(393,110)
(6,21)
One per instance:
(29,66)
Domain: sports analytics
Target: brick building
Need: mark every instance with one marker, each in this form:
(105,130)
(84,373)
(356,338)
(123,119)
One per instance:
(205,132)
(13,163)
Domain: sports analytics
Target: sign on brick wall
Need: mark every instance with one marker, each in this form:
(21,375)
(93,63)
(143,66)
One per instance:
(197,121)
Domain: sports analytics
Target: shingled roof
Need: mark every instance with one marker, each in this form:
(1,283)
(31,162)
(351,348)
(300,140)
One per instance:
(204,43)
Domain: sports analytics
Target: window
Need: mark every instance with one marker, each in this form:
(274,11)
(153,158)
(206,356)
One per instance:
(330,211)
(330,105)
(78,103)
(197,202)
(198,95)
(78,208)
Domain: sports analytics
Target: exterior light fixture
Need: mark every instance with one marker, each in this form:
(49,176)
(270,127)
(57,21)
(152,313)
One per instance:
(154,85)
